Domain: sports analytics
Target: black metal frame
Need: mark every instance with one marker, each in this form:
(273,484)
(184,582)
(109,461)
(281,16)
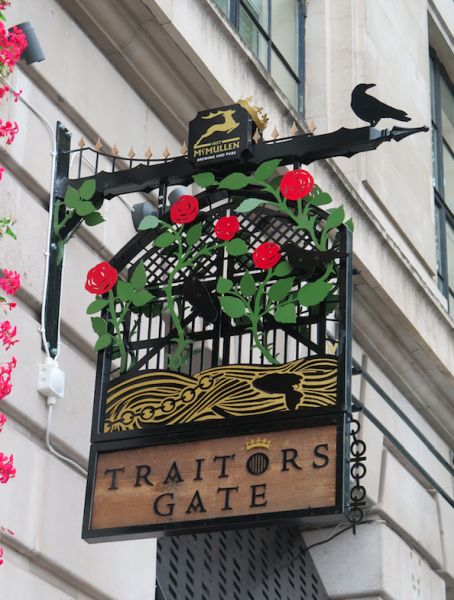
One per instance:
(443,212)
(267,34)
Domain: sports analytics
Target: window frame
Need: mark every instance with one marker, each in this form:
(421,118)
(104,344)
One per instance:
(233,15)
(443,213)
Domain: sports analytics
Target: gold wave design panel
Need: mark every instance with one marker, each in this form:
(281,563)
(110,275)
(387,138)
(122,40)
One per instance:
(169,398)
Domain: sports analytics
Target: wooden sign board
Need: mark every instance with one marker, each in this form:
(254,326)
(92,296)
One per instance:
(214,483)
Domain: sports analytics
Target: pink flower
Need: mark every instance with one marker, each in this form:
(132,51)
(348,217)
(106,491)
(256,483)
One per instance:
(7,334)
(17,95)
(10,282)
(1,554)
(8,130)
(2,170)
(3,420)
(7,470)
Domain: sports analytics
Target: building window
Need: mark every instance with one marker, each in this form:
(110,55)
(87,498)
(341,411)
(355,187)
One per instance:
(273,30)
(442,95)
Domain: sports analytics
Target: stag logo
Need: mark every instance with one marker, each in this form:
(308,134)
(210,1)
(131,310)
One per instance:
(226,126)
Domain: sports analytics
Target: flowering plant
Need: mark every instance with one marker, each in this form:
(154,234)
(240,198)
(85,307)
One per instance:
(122,296)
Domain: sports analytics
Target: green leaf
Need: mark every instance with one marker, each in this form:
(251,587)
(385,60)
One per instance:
(125,291)
(247,285)
(72,198)
(11,233)
(148,222)
(332,302)
(165,240)
(314,293)
(139,277)
(283,268)
(350,225)
(87,189)
(204,179)
(266,169)
(99,325)
(93,219)
(85,208)
(249,204)
(233,307)
(280,290)
(285,314)
(318,198)
(236,247)
(96,306)
(223,285)
(336,217)
(104,341)
(141,298)
(234,181)
(193,234)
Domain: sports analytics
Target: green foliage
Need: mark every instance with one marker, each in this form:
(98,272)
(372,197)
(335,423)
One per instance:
(234,181)
(72,198)
(349,224)
(285,313)
(104,341)
(249,204)
(233,307)
(99,325)
(194,233)
(125,291)
(335,218)
(165,240)
(314,293)
(247,285)
(141,298)
(96,306)
(266,169)
(88,189)
(148,222)
(237,247)
(204,179)
(224,285)
(93,219)
(139,277)
(283,268)
(281,289)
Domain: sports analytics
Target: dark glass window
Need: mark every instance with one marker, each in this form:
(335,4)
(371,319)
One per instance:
(273,30)
(442,97)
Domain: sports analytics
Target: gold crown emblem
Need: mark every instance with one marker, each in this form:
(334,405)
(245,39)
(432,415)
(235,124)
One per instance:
(258,443)
(257,115)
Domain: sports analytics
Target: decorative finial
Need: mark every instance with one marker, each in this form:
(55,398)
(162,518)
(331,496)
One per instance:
(275,133)
(114,150)
(166,153)
(258,116)
(184,149)
(293,129)
(257,136)
(311,126)
(131,153)
(98,144)
(148,153)
(81,142)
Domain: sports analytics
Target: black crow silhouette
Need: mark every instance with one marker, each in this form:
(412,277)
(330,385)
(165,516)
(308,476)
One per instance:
(200,299)
(372,110)
(309,264)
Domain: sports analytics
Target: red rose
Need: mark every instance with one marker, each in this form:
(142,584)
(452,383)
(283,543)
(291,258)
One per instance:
(267,255)
(185,210)
(101,279)
(296,184)
(226,228)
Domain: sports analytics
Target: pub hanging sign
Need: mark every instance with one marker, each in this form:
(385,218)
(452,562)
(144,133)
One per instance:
(222,392)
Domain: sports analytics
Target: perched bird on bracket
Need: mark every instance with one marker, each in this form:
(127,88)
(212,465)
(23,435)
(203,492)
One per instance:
(372,110)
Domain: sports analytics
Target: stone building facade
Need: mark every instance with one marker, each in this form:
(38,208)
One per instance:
(133,73)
